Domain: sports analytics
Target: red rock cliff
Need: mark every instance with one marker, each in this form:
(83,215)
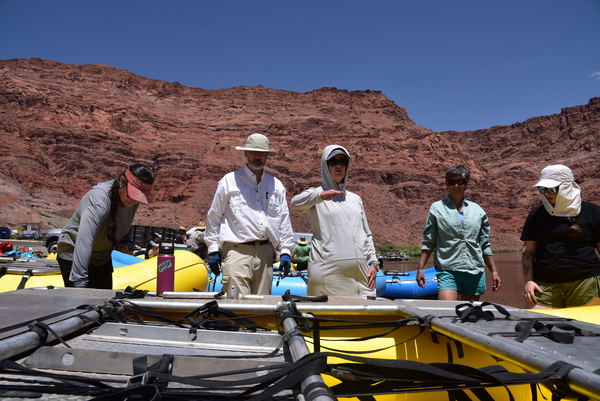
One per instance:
(67,127)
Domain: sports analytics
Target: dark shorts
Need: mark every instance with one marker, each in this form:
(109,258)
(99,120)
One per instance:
(569,294)
(302,265)
(98,276)
(464,283)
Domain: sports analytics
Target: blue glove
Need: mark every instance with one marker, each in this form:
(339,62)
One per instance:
(214,263)
(284,265)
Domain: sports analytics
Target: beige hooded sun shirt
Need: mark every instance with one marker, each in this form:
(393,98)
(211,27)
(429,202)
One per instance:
(342,246)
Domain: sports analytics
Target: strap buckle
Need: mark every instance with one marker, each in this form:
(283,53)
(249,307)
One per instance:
(138,380)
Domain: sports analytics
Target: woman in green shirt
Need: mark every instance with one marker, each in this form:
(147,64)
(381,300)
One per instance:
(458,231)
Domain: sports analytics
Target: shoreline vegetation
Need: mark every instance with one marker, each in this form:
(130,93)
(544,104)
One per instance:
(414,251)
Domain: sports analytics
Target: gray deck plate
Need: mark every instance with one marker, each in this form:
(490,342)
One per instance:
(584,352)
(29,304)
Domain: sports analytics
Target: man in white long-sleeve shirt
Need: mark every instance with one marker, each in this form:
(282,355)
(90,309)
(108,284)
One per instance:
(247,222)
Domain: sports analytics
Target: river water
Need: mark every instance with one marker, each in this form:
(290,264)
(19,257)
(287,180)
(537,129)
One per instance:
(509,268)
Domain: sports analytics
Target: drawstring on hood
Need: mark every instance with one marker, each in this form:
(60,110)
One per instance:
(327,181)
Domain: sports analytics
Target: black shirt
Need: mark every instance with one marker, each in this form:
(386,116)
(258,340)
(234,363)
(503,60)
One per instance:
(558,258)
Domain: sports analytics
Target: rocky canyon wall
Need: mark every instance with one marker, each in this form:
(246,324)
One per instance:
(67,127)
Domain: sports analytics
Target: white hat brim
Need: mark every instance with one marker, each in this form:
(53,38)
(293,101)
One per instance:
(270,152)
(548,183)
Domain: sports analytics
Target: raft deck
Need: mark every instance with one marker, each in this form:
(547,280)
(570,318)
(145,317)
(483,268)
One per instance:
(111,348)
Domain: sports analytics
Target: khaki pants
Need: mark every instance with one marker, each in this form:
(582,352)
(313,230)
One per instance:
(248,267)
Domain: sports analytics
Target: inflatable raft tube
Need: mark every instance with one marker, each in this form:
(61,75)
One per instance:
(404,284)
(190,273)
(296,282)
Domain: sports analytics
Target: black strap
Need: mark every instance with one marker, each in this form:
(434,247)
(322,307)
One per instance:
(146,392)
(469,312)
(287,296)
(141,368)
(525,330)
(24,279)
(42,330)
(27,323)
(399,376)
(459,349)
(359,377)
(130,292)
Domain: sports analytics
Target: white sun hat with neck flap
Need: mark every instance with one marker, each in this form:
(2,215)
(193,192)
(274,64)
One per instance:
(568,198)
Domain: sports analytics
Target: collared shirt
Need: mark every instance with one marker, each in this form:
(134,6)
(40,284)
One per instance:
(459,245)
(244,210)
(196,239)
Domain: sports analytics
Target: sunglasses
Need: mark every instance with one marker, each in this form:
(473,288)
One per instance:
(543,190)
(335,162)
(456,182)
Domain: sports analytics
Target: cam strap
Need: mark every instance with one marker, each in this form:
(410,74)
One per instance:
(143,374)
(24,279)
(42,330)
(535,327)
(288,296)
(143,392)
(469,312)
(525,329)
(130,292)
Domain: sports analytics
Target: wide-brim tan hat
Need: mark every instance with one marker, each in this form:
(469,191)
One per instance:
(302,241)
(257,143)
(201,226)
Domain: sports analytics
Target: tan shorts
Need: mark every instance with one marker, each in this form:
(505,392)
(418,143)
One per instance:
(248,267)
(569,294)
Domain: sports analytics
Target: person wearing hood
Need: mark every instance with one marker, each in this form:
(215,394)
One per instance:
(343,259)
(100,223)
(248,221)
(458,231)
(561,238)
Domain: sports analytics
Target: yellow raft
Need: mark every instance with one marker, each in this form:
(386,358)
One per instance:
(590,314)
(190,273)
(335,330)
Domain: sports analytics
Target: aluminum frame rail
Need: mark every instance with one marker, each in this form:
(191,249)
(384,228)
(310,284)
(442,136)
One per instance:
(298,348)
(29,340)
(580,379)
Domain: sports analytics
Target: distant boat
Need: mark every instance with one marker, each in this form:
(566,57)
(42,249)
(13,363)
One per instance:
(395,255)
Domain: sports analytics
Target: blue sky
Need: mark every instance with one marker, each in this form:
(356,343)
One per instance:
(454,65)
